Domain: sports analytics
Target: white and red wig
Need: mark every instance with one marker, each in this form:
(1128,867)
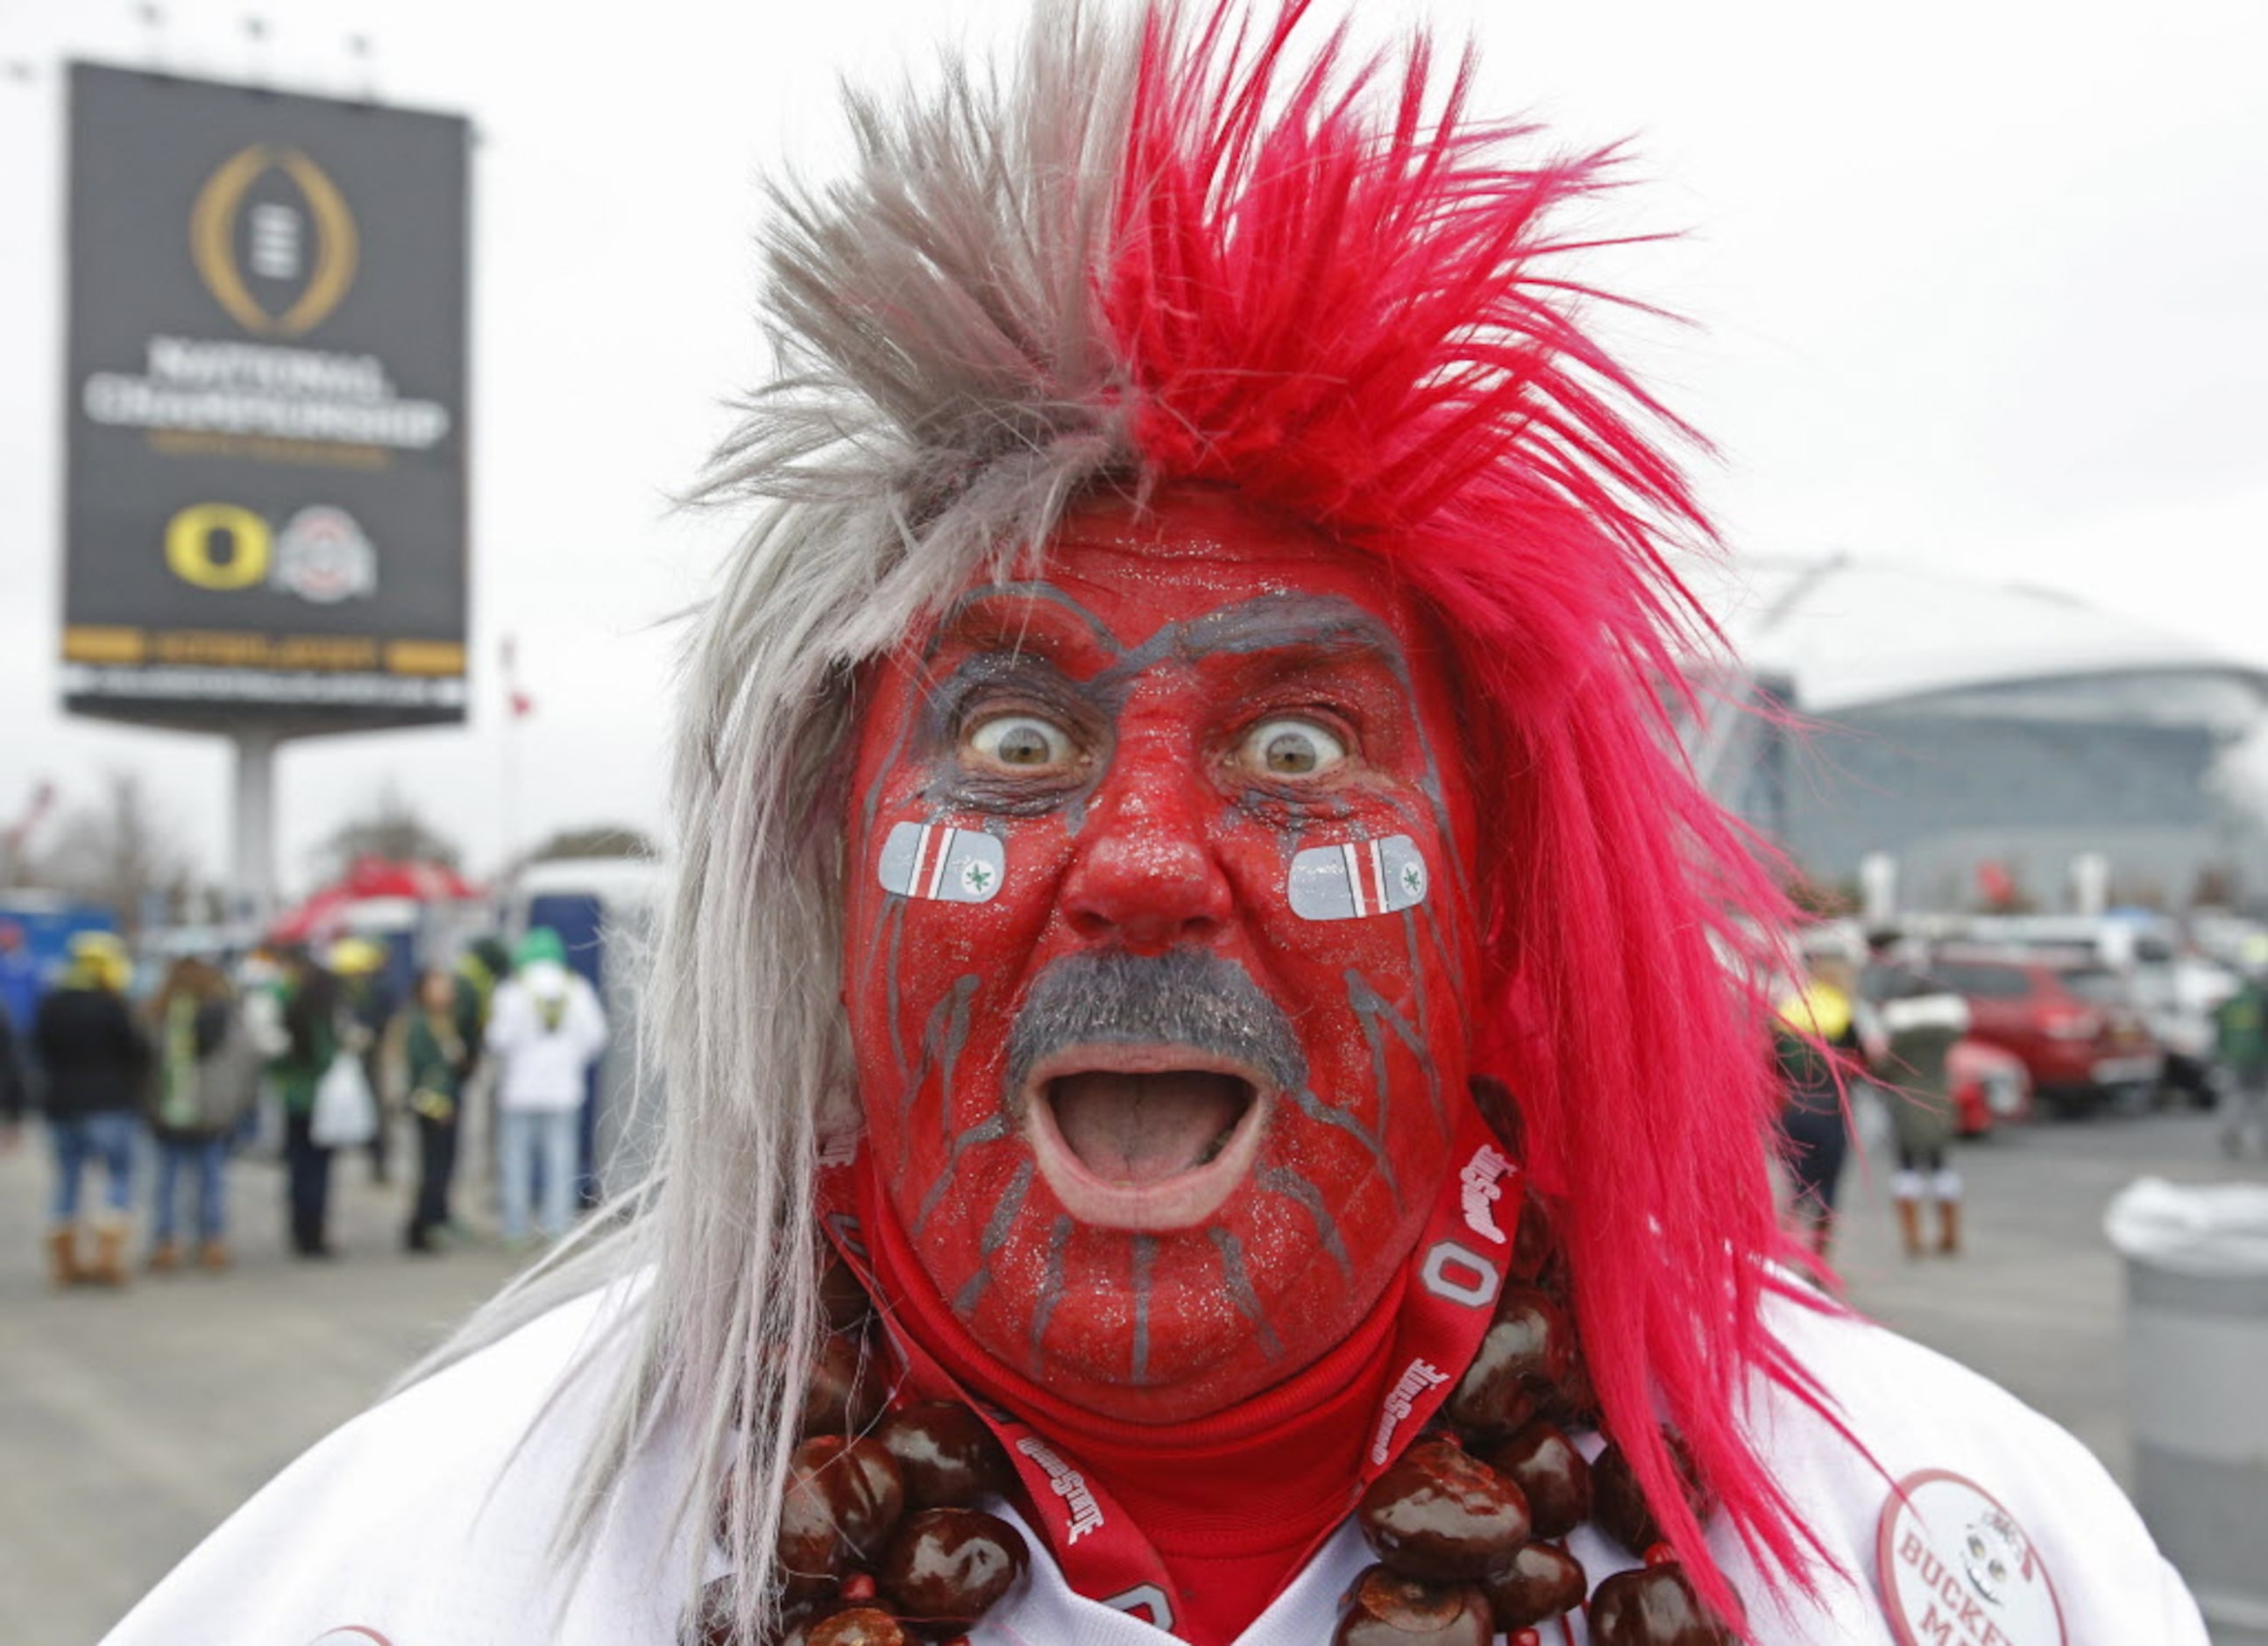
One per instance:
(1179,248)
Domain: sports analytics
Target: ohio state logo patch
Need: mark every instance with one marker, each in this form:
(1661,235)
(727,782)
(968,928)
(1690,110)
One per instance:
(935,860)
(1955,1569)
(1362,878)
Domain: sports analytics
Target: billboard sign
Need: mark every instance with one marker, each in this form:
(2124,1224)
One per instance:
(265,488)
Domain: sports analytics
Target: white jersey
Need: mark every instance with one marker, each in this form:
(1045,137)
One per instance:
(545,1028)
(428,1521)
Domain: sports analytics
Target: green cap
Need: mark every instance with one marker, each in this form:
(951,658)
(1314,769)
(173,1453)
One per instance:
(542,943)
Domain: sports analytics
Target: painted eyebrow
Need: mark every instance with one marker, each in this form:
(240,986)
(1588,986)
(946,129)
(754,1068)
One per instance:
(1326,625)
(1323,626)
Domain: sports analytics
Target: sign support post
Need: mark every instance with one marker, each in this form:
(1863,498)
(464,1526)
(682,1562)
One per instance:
(253,881)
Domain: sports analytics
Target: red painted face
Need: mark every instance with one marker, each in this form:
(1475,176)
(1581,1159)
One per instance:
(1159,929)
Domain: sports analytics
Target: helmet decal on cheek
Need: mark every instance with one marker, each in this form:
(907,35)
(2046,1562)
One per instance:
(1362,878)
(936,861)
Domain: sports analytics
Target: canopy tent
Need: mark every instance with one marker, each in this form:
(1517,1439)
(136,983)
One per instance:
(327,912)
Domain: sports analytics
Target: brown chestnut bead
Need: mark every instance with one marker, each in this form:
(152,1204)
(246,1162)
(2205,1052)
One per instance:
(947,1455)
(1654,1606)
(1384,1608)
(1438,1515)
(860,1626)
(1518,1366)
(1574,1403)
(1545,1580)
(1551,1474)
(1620,1507)
(948,1567)
(845,1394)
(843,1500)
(803,1617)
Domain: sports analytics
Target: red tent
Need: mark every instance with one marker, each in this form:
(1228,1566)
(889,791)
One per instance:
(324,914)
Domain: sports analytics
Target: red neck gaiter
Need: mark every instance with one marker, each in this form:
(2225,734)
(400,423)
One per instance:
(1230,1505)
(1231,1502)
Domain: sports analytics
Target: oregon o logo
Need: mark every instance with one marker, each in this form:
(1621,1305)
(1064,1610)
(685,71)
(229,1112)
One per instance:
(218,545)
(275,235)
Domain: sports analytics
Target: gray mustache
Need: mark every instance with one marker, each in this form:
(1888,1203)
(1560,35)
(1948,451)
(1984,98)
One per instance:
(1184,996)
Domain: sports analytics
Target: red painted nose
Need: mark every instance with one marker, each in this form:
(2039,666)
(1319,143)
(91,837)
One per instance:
(1146,876)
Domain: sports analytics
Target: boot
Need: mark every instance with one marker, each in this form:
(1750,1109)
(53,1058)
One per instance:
(212,1255)
(63,1255)
(164,1258)
(1909,1224)
(1949,1227)
(109,1266)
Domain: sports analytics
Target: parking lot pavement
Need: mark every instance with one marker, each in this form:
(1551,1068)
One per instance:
(2035,1299)
(130,1425)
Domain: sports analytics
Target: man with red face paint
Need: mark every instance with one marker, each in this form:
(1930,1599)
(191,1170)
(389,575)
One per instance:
(1206,1094)
(1234,1066)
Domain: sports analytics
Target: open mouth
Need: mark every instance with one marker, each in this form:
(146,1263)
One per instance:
(1148,1137)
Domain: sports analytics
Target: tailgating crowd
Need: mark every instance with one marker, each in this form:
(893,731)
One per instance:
(1893,1028)
(310,1049)
(313,1052)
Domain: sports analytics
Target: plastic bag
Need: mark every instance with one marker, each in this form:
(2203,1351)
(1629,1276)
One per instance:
(346,1110)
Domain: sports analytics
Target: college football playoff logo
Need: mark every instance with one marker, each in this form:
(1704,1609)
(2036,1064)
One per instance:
(273,241)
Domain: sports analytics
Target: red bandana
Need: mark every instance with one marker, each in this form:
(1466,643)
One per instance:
(1138,1515)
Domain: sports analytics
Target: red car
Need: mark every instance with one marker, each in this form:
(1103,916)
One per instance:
(1989,1086)
(2072,1023)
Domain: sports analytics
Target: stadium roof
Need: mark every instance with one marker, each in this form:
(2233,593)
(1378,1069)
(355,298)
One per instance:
(1853,634)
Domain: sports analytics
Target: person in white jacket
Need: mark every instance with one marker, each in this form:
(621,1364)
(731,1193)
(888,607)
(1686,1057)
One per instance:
(545,1030)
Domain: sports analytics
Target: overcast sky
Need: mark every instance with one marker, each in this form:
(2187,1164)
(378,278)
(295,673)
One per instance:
(1981,285)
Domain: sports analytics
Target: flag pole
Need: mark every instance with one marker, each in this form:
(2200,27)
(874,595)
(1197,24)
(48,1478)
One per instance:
(512,700)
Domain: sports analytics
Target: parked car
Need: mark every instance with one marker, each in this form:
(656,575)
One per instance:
(2180,995)
(2073,1024)
(2175,988)
(1991,1086)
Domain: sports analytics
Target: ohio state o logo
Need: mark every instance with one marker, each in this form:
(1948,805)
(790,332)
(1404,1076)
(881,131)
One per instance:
(1459,1274)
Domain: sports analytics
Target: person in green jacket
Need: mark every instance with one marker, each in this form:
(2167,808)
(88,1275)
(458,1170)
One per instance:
(312,1009)
(2240,1040)
(438,1059)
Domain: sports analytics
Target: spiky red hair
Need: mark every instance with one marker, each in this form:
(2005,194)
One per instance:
(1332,290)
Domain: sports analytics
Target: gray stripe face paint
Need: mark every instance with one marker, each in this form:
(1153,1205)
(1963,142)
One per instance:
(1240,1292)
(1145,1253)
(996,1234)
(1293,1187)
(1051,1284)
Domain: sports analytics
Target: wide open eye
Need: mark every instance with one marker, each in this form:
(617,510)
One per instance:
(1022,743)
(1289,749)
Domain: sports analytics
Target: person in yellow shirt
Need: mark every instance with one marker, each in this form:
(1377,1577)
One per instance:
(1814,1030)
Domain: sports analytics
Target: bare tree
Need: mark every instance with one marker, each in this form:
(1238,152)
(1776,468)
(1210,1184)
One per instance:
(594,840)
(391,829)
(123,851)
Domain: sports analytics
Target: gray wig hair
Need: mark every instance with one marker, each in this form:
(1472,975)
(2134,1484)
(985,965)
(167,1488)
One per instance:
(945,390)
